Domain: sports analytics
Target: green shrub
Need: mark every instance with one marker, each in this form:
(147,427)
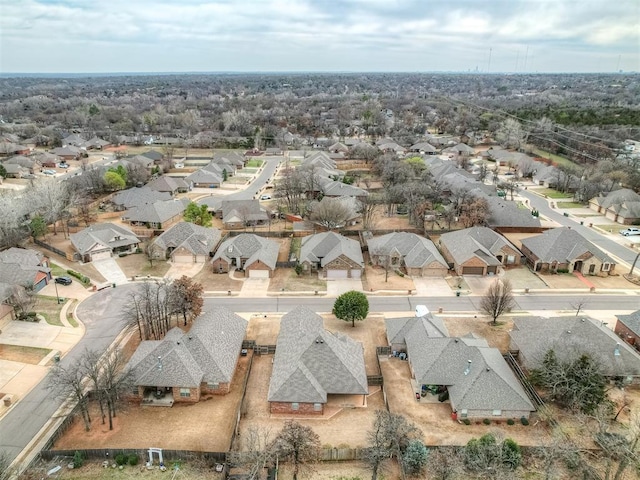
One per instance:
(486,421)
(399,273)
(511,453)
(78,459)
(563,270)
(510,421)
(32,314)
(524,421)
(84,280)
(133,459)
(444,396)
(121,459)
(415,457)
(466,421)
(298,269)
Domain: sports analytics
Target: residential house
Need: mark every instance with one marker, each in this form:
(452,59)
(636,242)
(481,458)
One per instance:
(138,196)
(242,213)
(628,328)
(15,171)
(274,151)
(313,367)
(46,159)
(185,367)
(170,185)
(186,243)
(67,153)
(622,206)
(7,312)
(255,255)
(159,215)
(532,337)
(479,382)
(11,148)
(74,139)
(24,267)
(95,143)
(331,255)
(142,161)
(204,178)
(564,249)
(460,150)
(478,251)
(416,255)
(153,155)
(424,148)
(27,163)
(338,148)
(331,188)
(351,206)
(235,159)
(102,240)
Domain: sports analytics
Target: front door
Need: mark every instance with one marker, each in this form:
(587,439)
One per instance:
(577,267)
(592,269)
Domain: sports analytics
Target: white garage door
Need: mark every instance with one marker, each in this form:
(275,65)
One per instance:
(183,258)
(258,273)
(100,255)
(356,273)
(337,274)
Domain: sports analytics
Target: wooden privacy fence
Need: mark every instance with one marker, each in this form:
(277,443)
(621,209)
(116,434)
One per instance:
(264,349)
(143,455)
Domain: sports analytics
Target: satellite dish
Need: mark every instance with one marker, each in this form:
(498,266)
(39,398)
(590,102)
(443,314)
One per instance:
(421,310)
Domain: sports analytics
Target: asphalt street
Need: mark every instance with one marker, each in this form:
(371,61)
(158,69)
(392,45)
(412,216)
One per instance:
(271,163)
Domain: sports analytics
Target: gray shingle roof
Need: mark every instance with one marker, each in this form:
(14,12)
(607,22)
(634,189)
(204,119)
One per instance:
(328,246)
(567,336)
(399,328)
(157,212)
(194,238)
(311,362)
(339,189)
(618,197)
(252,247)
(416,251)
(243,211)
(480,242)
(204,176)
(135,197)
(208,353)
(167,184)
(562,245)
(103,234)
(19,266)
(632,321)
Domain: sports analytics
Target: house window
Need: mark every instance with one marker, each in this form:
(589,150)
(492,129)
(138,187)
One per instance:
(295,406)
(511,259)
(464,413)
(185,392)
(606,267)
(317,407)
(135,391)
(213,386)
(496,413)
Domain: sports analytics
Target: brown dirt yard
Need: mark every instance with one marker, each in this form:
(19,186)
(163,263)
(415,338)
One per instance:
(204,426)
(213,282)
(338,425)
(374,280)
(138,264)
(288,279)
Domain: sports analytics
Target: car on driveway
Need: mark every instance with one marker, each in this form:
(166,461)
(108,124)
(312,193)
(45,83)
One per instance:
(630,231)
(63,280)
(265,197)
(49,172)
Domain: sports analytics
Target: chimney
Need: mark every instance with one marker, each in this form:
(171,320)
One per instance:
(468,369)
(616,351)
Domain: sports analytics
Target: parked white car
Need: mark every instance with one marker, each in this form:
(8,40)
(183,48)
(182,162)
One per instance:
(49,172)
(265,197)
(630,231)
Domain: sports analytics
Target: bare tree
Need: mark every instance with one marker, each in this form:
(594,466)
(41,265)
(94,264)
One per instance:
(51,199)
(70,382)
(149,309)
(297,444)
(445,463)
(186,298)
(579,304)
(257,452)
(511,134)
(22,299)
(389,436)
(497,300)
(331,213)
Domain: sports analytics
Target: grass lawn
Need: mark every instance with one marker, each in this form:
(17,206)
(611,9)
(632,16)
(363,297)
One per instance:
(20,353)
(49,309)
(551,193)
(571,205)
(57,270)
(560,160)
(255,162)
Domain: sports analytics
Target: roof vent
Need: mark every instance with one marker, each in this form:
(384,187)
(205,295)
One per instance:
(488,369)
(568,331)
(159,363)
(468,369)
(616,351)
(582,320)
(178,343)
(190,337)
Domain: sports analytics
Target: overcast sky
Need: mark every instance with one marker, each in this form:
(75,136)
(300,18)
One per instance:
(319,35)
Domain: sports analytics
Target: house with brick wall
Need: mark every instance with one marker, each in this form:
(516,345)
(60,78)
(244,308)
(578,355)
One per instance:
(313,366)
(185,366)
(253,254)
(569,336)
(479,382)
(478,251)
(25,268)
(628,328)
(416,255)
(621,206)
(331,255)
(186,242)
(565,249)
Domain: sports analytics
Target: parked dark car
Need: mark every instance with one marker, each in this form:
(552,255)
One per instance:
(63,280)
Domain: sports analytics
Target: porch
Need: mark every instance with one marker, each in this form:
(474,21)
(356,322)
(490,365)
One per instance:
(157,397)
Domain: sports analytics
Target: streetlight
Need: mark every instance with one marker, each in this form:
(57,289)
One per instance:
(55,284)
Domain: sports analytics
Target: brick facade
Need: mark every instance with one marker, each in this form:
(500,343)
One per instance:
(220,266)
(257,265)
(627,334)
(303,408)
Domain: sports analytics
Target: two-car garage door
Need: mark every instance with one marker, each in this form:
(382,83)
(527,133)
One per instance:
(258,273)
(472,270)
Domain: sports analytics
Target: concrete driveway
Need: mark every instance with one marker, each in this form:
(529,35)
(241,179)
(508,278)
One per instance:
(255,287)
(177,270)
(110,270)
(337,287)
(432,287)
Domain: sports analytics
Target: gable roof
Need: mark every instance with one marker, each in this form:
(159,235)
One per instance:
(339,189)
(153,155)
(327,246)
(204,176)
(480,242)
(108,235)
(617,197)
(208,353)
(243,211)
(19,266)
(194,238)
(416,251)
(137,196)
(562,245)
(567,336)
(167,184)
(157,212)
(252,247)
(429,326)
(311,362)
(631,321)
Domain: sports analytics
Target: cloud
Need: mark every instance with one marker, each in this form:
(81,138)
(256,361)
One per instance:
(373,35)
